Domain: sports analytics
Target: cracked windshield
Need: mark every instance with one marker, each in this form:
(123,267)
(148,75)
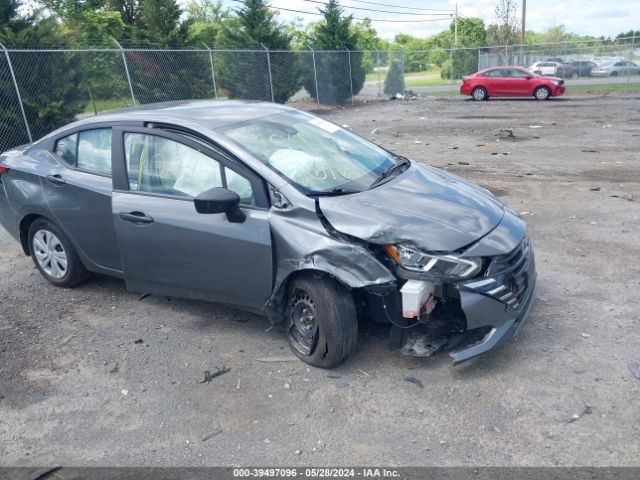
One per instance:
(317,155)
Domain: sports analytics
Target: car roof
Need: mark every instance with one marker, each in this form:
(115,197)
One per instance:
(209,114)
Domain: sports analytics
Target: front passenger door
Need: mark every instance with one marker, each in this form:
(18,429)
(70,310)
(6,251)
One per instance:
(167,248)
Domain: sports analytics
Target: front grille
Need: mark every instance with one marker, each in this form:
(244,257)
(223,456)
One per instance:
(514,268)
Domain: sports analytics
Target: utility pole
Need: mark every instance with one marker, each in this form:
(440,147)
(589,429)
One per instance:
(524,17)
(455,28)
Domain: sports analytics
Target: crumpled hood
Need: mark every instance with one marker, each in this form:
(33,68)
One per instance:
(424,206)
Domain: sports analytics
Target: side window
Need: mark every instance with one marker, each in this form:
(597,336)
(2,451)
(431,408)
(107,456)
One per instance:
(164,166)
(517,73)
(94,151)
(66,149)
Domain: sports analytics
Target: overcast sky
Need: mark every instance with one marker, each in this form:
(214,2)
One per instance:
(586,17)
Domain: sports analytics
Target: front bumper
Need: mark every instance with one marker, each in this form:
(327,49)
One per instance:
(501,301)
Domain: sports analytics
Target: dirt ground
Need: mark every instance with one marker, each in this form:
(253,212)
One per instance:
(77,389)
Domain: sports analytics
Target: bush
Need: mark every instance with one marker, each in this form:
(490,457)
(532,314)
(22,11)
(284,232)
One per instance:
(394,83)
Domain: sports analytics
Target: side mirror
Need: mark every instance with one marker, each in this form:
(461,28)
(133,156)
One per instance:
(220,200)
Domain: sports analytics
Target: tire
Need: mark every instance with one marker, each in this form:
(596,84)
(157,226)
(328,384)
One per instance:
(479,94)
(54,255)
(322,326)
(542,93)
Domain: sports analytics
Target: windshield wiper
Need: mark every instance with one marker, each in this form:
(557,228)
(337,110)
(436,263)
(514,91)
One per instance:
(332,192)
(402,161)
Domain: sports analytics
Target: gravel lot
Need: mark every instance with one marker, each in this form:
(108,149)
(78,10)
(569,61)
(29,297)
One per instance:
(76,388)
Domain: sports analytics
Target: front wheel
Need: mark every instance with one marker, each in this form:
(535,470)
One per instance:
(54,255)
(322,326)
(479,94)
(542,93)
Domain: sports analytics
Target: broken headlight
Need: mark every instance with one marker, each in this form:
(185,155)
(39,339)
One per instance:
(441,266)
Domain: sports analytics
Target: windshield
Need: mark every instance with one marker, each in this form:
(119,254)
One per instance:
(315,155)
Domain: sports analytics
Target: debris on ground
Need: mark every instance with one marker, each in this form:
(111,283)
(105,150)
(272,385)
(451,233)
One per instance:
(626,196)
(44,472)
(506,133)
(493,428)
(595,189)
(414,380)
(216,430)
(588,410)
(463,163)
(139,341)
(535,126)
(634,368)
(297,452)
(589,150)
(143,296)
(585,335)
(277,359)
(374,131)
(208,375)
(124,392)
(115,368)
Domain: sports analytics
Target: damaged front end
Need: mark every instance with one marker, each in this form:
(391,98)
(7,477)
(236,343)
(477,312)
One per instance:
(468,316)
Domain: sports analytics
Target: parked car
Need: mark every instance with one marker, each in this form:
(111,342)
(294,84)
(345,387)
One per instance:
(616,69)
(510,82)
(545,68)
(276,211)
(575,69)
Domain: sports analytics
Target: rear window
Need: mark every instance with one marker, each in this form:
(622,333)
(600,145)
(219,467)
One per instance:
(89,150)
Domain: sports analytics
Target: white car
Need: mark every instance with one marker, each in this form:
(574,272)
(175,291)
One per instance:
(545,68)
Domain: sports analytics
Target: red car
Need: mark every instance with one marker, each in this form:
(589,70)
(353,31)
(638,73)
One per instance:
(510,82)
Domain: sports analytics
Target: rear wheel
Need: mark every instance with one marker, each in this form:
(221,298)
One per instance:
(479,94)
(322,327)
(542,93)
(54,255)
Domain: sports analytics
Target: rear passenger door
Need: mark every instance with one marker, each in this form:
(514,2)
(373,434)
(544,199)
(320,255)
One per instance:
(78,193)
(168,248)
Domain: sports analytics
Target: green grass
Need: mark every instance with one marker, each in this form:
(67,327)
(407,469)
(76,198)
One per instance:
(613,88)
(427,81)
(104,105)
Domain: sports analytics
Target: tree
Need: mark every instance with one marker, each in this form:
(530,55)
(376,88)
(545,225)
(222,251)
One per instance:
(505,31)
(471,33)
(246,74)
(338,73)
(394,83)
(160,19)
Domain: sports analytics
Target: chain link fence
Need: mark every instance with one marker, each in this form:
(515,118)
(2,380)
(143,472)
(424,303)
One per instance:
(46,89)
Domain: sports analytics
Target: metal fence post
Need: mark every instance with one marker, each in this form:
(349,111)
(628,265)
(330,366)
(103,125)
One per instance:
(269,67)
(378,67)
(15,85)
(126,70)
(350,75)
(213,73)
(315,75)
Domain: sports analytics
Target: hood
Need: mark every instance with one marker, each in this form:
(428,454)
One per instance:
(423,206)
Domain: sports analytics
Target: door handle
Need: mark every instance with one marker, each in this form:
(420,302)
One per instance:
(56,179)
(136,217)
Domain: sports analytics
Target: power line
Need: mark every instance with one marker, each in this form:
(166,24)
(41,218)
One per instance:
(400,6)
(383,11)
(370,19)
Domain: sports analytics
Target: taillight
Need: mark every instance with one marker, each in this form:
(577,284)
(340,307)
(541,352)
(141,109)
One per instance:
(3,169)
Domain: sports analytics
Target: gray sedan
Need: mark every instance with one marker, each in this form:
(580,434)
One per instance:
(276,211)
(615,69)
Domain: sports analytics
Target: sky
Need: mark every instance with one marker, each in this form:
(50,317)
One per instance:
(584,17)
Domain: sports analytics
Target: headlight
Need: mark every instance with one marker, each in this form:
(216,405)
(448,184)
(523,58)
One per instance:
(556,82)
(436,265)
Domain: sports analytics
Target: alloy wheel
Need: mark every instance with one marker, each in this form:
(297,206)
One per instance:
(50,254)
